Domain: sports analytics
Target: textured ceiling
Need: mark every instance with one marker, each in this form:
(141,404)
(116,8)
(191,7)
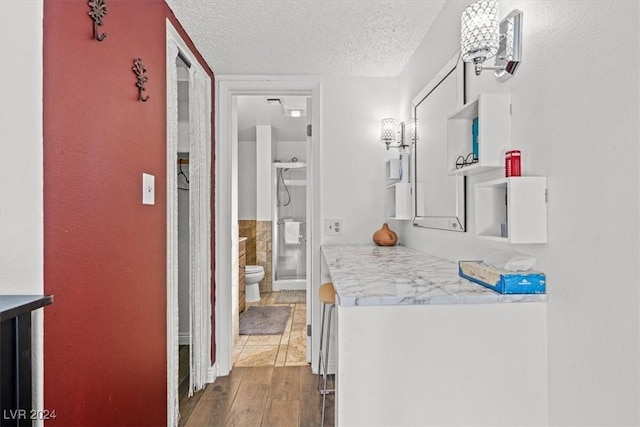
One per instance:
(291,37)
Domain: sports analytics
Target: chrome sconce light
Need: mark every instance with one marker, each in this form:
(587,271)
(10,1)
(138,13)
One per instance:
(390,134)
(482,36)
(414,131)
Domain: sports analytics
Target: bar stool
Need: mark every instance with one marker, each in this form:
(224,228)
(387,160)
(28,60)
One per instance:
(327,295)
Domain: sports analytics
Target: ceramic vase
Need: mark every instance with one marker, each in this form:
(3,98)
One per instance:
(385,236)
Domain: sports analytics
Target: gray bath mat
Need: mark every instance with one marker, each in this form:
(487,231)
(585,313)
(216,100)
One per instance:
(291,297)
(264,320)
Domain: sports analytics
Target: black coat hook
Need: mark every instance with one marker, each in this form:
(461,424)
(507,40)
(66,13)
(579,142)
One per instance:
(98,10)
(141,73)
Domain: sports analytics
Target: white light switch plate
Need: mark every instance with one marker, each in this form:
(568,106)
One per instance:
(148,189)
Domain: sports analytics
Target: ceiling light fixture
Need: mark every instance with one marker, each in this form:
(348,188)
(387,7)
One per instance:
(483,36)
(294,106)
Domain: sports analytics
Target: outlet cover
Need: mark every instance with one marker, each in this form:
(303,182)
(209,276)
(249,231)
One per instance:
(333,227)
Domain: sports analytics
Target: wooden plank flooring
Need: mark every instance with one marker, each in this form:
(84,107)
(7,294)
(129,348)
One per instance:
(261,396)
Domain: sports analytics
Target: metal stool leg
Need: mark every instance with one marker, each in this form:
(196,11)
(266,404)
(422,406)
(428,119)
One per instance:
(325,362)
(324,310)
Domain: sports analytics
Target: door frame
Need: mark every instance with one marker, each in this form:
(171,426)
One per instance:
(226,227)
(202,259)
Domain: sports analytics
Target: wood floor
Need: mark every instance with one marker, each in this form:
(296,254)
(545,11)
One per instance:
(271,384)
(260,396)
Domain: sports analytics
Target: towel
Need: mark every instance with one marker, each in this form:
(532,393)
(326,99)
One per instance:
(291,233)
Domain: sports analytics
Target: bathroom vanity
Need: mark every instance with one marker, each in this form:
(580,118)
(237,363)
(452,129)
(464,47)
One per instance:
(418,345)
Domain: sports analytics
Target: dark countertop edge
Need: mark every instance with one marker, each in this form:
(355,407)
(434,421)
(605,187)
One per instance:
(24,304)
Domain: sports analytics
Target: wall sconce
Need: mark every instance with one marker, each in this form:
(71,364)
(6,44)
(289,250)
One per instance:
(414,131)
(483,37)
(392,134)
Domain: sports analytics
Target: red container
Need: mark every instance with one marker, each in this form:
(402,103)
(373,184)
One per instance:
(512,163)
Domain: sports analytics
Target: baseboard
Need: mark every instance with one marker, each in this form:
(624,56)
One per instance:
(184,338)
(289,285)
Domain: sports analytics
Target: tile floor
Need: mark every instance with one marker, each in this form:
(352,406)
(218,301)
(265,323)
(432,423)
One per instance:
(288,349)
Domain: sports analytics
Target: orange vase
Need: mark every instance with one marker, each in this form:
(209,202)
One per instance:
(385,236)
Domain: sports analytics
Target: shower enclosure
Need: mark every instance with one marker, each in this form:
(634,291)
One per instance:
(289,225)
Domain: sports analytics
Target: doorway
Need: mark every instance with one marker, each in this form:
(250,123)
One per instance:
(273,152)
(188,221)
(227,228)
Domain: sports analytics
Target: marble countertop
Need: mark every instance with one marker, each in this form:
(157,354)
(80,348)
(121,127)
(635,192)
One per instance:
(397,275)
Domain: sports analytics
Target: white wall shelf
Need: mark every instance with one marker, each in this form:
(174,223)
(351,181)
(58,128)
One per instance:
(493,111)
(519,202)
(398,201)
(397,170)
(392,170)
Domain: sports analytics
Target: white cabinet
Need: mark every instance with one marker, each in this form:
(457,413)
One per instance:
(493,111)
(398,201)
(512,209)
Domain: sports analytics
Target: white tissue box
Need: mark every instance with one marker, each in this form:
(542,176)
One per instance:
(503,281)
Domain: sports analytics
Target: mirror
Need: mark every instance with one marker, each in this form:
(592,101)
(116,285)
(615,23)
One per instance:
(439,198)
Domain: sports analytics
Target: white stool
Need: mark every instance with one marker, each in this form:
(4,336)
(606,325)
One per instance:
(327,295)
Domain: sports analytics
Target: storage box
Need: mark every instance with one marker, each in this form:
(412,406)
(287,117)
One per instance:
(503,281)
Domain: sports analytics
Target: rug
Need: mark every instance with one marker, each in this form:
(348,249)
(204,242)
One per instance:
(264,320)
(291,297)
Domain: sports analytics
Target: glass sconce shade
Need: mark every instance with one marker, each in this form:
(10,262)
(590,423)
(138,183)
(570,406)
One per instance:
(414,131)
(480,31)
(388,131)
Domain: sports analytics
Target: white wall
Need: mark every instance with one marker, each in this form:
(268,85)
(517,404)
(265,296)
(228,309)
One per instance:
(575,117)
(184,319)
(247,180)
(286,150)
(353,159)
(264,158)
(183,114)
(21,157)
(21,219)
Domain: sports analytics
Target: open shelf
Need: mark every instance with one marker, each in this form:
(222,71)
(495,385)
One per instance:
(517,204)
(493,111)
(398,201)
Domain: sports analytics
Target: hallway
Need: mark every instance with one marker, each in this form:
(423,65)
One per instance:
(271,383)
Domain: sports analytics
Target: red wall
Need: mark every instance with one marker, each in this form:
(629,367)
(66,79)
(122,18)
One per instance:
(105,252)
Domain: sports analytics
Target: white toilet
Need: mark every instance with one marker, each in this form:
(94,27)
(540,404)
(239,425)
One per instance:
(252,276)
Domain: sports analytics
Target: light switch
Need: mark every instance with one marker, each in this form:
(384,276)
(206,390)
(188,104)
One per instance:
(148,189)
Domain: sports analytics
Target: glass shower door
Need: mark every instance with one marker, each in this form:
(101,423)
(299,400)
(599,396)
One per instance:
(290,226)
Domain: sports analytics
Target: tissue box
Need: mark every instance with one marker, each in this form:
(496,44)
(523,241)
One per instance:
(503,281)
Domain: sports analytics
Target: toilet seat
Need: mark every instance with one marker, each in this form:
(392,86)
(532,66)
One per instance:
(253,269)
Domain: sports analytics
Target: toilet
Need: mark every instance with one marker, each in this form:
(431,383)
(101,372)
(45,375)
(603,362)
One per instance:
(252,276)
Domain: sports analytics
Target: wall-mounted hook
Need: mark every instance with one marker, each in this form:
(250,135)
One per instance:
(141,74)
(98,10)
